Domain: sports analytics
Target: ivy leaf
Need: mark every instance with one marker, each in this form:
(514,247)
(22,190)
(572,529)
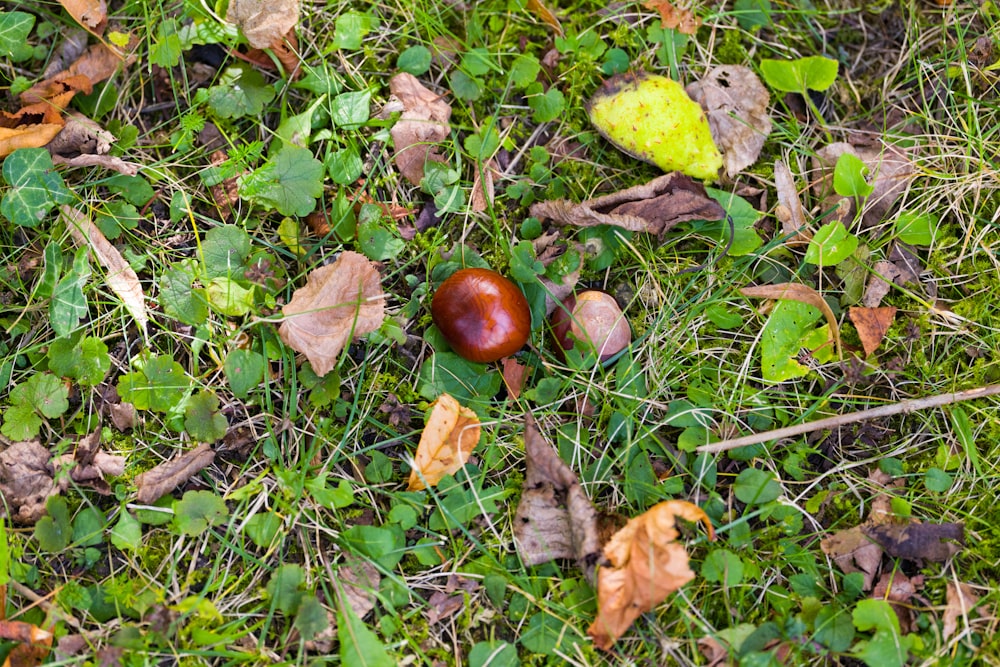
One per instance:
(36,187)
(159,385)
(197,511)
(242,91)
(202,419)
(53,531)
(14,30)
(68,304)
(290,182)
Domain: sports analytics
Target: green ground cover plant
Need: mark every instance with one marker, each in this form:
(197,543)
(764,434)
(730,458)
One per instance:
(183,484)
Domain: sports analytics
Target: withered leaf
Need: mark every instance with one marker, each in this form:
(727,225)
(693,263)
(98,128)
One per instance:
(789,211)
(164,478)
(899,589)
(264,22)
(82,136)
(451,433)
(803,294)
(645,565)
(20,631)
(541,10)
(919,541)
(675,18)
(554,518)
(891,171)
(735,102)
(423,123)
(26,480)
(119,274)
(513,373)
(652,207)
(91,14)
(96,64)
(443,605)
(340,301)
(106,161)
(34,135)
(853,551)
(872,325)
(960,599)
(360,580)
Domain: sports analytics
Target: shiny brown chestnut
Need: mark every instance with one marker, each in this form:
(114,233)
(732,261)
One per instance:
(594,320)
(482,315)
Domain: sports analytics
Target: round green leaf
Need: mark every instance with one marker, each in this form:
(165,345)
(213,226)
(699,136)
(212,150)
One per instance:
(756,487)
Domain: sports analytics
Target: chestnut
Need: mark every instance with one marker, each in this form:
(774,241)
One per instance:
(594,320)
(482,315)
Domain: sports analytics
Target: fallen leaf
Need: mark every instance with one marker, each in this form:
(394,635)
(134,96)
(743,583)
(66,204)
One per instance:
(735,102)
(105,161)
(645,565)
(91,14)
(652,207)
(872,325)
(423,123)
(883,273)
(339,301)
(482,186)
(287,52)
(451,433)
(226,193)
(898,590)
(681,20)
(26,481)
(513,373)
(919,541)
(71,46)
(554,518)
(81,136)
(907,265)
(789,210)
(89,464)
(443,605)
(20,631)
(164,478)
(539,9)
(891,171)
(119,275)
(803,294)
(34,135)
(264,22)
(960,599)
(94,65)
(360,581)
(853,551)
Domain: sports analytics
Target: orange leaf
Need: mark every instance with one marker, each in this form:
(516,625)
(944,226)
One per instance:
(645,566)
(27,136)
(452,432)
(539,9)
(872,325)
(682,20)
(91,14)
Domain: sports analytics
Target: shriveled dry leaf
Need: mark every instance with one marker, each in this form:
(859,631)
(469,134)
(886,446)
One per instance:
(360,579)
(20,631)
(264,22)
(681,20)
(164,478)
(715,652)
(960,599)
(443,606)
(645,566)
(89,465)
(451,433)
(554,518)
(91,14)
(853,551)
(26,481)
(105,161)
(883,273)
(96,64)
(919,541)
(226,193)
(119,275)
(803,294)
(872,325)
(899,589)
(70,47)
(652,207)
(482,186)
(82,137)
(340,301)
(423,123)
(735,102)
(539,9)
(789,210)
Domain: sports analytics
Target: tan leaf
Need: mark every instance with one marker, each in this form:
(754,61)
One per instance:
(27,136)
(554,517)
(853,551)
(482,186)
(789,211)
(541,10)
(919,541)
(20,631)
(960,599)
(360,580)
(803,294)
(264,22)
(105,161)
(91,14)
(735,102)
(340,301)
(164,478)
(82,137)
(26,480)
(681,20)
(872,325)
(423,123)
(451,433)
(645,566)
(652,207)
(513,373)
(120,276)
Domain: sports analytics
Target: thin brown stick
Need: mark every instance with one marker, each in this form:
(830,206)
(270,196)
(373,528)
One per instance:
(903,407)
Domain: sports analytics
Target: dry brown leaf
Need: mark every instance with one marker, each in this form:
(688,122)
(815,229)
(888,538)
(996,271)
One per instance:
(340,301)
(27,136)
(119,275)
(26,481)
(443,606)
(919,541)
(482,186)
(681,20)
(226,193)
(105,161)
(803,294)
(554,518)
(91,14)
(735,102)
(360,580)
(853,551)
(82,136)
(96,64)
(646,565)
(789,210)
(513,373)
(451,433)
(539,9)
(890,172)
(652,207)
(960,599)
(20,631)
(423,123)
(164,478)
(872,325)
(264,22)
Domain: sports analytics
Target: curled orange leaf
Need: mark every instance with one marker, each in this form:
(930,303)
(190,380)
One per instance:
(452,432)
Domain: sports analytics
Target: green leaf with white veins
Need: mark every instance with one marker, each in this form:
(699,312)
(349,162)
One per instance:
(290,182)
(14,30)
(36,187)
(68,304)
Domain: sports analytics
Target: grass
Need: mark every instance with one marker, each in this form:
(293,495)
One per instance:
(244,563)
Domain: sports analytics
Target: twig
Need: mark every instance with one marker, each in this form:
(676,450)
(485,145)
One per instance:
(903,407)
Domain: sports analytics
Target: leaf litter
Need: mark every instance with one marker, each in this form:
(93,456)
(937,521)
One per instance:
(423,123)
(167,476)
(451,433)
